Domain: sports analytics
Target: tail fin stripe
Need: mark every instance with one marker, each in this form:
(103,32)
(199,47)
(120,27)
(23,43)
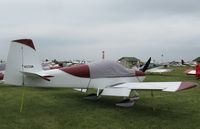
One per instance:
(27,42)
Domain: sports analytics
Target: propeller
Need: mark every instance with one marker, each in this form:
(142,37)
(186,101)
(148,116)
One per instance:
(146,65)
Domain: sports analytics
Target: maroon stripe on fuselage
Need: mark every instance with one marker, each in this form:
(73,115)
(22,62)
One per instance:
(1,76)
(27,42)
(79,71)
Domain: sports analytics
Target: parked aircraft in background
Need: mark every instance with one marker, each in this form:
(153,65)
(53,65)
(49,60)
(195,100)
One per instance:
(54,64)
(2,69)
(109,78)
(1,77)
(157,68)
(195,72)
(160,69)
(189,63)
(175,63)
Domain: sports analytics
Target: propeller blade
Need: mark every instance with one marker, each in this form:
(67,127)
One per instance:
(146,65)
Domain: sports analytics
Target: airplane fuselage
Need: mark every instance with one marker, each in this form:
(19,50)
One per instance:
(60,78)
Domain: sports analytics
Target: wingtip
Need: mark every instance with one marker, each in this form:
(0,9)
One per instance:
(187,85)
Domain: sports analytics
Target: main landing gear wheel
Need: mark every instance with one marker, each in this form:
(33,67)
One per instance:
(129,102)
(92,97)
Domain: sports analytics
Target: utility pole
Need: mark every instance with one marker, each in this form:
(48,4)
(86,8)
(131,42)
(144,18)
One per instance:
(103,55)
(162,60)
(22,97)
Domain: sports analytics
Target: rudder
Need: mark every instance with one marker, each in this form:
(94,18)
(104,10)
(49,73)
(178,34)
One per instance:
(22,57)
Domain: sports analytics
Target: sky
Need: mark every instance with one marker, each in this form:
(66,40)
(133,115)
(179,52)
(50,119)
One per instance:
(82,29)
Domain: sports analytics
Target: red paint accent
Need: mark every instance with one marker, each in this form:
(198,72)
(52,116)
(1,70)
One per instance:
(198,71)
(139,73)
(1,76)
(27,42)
(80,70)
(186,85)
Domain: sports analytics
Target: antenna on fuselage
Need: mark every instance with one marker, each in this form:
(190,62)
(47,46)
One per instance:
(22,97)
(103,55)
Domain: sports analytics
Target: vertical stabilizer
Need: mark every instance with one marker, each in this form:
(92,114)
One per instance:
(22,57)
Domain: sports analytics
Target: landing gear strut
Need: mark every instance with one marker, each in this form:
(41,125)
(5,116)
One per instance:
(94,96)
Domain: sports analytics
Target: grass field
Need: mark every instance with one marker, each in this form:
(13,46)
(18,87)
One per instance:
(66,108)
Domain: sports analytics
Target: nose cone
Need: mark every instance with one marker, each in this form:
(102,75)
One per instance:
(139,73)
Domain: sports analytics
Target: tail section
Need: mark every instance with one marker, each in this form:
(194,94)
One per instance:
(22,57)
(182,62)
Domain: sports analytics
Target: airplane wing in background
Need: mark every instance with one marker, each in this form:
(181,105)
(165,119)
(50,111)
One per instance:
(159,70)
(191,72)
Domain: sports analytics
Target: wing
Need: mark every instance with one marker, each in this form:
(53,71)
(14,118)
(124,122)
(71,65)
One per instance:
(125,88)
(191,72)
(159,70)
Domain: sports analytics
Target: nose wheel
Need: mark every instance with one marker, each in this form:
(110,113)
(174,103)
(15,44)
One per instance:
(126,102)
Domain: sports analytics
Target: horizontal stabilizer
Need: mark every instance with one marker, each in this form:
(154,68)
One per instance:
(38,74)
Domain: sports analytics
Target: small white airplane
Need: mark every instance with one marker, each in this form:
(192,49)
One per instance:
(156,68)
(109,78)
(195,72)
(189,63)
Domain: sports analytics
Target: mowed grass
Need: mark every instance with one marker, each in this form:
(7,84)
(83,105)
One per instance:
(66,108)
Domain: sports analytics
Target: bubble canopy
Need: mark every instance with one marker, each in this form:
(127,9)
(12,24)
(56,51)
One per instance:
(108,69)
